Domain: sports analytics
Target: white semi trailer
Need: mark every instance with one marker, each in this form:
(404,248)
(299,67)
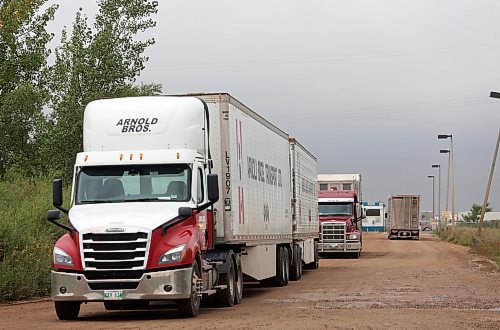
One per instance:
(181,198)
(404,214)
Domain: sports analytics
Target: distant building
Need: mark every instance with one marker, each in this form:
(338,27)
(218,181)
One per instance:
(488,216)
(492,216)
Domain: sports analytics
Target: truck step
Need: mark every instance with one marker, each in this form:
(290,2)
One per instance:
(212,265)
(209,292)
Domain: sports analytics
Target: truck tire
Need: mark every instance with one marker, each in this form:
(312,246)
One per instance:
(286,258)
(67,310)
(279,279)
(190,307)
(296,266)
(316,256)
(226,297)
(238,294)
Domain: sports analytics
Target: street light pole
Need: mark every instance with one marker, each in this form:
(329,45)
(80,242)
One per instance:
(438,166)
(433,198)
(446,151)
(452,166)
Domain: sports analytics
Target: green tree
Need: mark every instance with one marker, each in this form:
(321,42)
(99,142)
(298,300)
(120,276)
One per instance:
(91,63)
(23,58)
(475,212)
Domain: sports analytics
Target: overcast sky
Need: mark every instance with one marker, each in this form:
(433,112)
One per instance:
(365,85)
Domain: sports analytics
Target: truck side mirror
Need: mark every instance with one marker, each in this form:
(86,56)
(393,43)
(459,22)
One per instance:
(185,212)
(213,187)
(57,193)
(53,215)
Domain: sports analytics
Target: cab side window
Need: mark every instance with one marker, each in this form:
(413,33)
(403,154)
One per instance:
(199,187)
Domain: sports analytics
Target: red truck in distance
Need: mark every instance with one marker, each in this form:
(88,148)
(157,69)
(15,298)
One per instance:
(340,217)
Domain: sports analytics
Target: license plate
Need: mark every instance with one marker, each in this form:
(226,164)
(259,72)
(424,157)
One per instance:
(113,294)
(334,245)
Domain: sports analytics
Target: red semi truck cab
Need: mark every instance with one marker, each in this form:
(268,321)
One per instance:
(340,217)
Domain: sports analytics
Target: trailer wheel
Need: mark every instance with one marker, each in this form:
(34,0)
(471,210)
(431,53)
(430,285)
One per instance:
(296,266)
(280,278)
(190,307)
(226,297)
(300,263)
(67,310)
(286,259)
(238,294)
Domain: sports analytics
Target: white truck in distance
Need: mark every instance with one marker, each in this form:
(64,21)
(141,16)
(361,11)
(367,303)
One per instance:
(180,198)
(375,216)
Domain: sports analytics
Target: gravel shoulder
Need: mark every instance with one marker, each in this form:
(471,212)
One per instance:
(397,284)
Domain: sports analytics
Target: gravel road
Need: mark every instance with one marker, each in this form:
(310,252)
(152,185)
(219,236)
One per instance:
(395,284)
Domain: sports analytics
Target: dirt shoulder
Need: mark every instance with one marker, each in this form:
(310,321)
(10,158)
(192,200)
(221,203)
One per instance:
(397,284)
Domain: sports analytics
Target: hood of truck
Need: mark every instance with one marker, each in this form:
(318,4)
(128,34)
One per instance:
(123,217)
(335,218)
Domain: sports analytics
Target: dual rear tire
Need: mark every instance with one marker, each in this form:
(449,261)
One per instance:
(282,267)
(233,280)
(296,265)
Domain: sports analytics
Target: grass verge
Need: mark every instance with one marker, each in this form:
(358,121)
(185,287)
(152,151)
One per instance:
(488,244)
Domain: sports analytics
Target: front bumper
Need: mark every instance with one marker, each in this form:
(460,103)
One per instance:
(340,247)
(151,287)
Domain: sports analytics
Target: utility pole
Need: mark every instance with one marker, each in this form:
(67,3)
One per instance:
(487,193)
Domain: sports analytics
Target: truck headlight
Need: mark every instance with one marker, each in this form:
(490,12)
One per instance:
(173,255)
(62,258)
(353,236)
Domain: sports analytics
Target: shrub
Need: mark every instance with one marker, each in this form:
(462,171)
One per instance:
(26,238)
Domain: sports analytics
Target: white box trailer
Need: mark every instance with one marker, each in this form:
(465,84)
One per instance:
(305,218)
(404,212)
(341,182)
(179,198)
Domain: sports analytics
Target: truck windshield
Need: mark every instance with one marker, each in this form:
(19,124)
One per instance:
(134,183)
(330,209)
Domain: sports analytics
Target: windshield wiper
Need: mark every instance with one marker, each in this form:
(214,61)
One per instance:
(146,199)
(120,200)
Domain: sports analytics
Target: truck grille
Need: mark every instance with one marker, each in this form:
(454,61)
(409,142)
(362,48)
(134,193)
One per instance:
(333,232)
(115,260)
(114,251)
